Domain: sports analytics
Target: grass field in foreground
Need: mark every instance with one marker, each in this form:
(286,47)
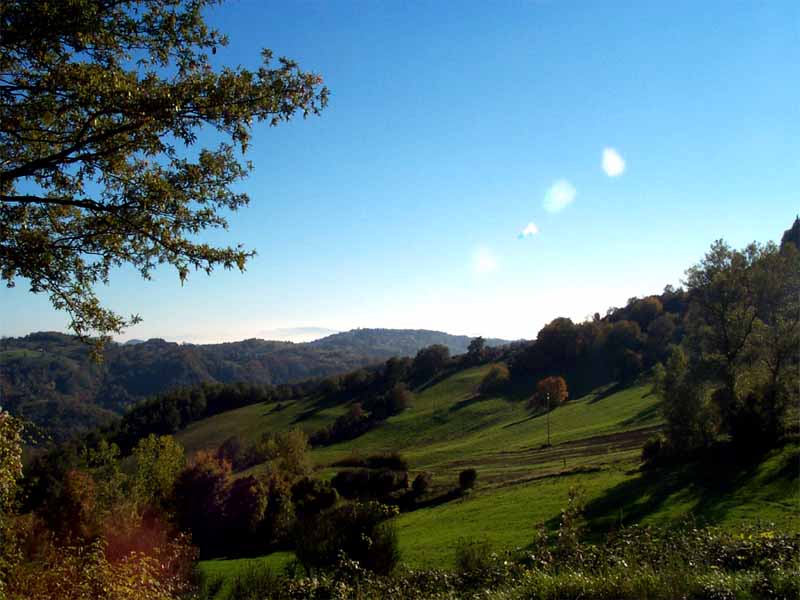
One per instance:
(766,490)
(505,516)
(229,569)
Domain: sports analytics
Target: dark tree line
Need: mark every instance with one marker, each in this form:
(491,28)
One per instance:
(737,372)
(616,347)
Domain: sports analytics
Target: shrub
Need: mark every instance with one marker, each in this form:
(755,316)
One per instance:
(653,449)
(254,584)
(353,461)
(478,565)
(312,496)
(84,571)
(398,399)
(349,426)
(231,450)
(358,531)
(421,483)
(495,380)
(472,555)
(369,484)
(466,479)
(391,460)
(352,483)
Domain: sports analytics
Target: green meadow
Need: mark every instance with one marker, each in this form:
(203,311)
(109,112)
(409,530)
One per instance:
(595,446)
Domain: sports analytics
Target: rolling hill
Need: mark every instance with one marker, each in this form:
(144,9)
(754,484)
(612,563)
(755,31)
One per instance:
(596,445)
(49,378)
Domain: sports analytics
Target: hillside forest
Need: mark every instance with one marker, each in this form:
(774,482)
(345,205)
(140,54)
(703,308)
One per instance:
(52,379)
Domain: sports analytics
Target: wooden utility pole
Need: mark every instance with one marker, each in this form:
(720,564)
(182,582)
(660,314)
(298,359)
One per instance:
(548,418)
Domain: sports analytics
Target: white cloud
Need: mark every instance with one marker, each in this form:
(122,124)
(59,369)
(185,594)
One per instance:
(483,261)
(530,230)
(560,195)
(613,163)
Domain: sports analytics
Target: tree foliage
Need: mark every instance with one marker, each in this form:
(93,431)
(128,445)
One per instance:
(736,371)
(398,399)
(430,361)
(159,461)
(357,530)
(551,391)
(495,379)
(602,350)
(690,421)
(50,379)
(467,478)
(101,105)
(744,334)
(476,350)
(10,460)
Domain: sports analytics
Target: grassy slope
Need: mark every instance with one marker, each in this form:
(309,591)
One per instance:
(506,516)
(449,429)
(250,422)
(596,445)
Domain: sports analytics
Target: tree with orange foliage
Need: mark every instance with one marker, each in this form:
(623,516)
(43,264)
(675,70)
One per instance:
(552,389)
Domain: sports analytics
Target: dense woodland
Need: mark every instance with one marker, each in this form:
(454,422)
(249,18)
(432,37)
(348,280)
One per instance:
(51,379)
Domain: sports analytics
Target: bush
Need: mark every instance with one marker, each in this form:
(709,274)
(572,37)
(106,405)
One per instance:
(391,460)
(369,484)
(84,571)
(353,461)
(312,496)
(653,449)
(349,426)
(466,479)
(472,555)
(231,450)
(495,380)
(681,561)
(254,584)
(421,483)
(478,565)
(358,531)
(398,399)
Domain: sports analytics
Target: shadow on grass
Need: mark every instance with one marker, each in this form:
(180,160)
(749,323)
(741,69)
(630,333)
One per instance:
(609,390)
(467,402)
(448,496)
(435,379)
(537,412)
(320,405)
(276,408)
(644,416)
(788,474)
(706,484)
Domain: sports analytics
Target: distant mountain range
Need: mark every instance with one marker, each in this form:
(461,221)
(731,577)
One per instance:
(49,378)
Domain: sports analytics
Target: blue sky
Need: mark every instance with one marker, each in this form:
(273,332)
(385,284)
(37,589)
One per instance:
(451,128)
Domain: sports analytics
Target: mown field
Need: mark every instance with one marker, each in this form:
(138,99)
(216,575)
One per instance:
(596,443)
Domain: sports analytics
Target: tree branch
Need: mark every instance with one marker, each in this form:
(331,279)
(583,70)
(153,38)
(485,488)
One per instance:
(87,204)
